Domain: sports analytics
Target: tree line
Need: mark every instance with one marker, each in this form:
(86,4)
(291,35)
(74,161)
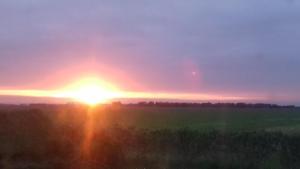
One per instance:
(206,104)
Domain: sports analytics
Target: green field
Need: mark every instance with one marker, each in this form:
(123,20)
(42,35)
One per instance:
(153,118)
(136,137)
(228,119)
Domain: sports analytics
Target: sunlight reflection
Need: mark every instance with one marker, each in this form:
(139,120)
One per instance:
(86,156)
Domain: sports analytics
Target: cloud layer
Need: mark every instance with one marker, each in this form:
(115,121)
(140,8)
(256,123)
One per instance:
(248,47)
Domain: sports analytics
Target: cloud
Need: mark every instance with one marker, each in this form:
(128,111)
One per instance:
(238,46)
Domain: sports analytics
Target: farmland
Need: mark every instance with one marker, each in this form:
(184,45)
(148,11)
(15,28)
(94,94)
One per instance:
(113,137)
(202,119)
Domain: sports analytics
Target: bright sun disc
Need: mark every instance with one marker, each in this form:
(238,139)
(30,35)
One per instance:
(92,94)
(90,91)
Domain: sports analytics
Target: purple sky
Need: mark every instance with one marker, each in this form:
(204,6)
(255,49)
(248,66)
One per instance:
(211,46)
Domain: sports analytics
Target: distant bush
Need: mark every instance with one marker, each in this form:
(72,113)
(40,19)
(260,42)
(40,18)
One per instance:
(208,104)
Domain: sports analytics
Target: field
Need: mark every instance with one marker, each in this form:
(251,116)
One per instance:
(153,137)
(203,119)
(153,118)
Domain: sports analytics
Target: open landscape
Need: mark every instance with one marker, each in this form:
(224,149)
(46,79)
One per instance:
(149,136)
(149,84)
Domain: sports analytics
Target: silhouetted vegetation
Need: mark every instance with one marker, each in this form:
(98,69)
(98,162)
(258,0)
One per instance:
(208,104)
(47,137)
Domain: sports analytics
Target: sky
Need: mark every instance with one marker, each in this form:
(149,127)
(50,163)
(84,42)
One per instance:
(234,47)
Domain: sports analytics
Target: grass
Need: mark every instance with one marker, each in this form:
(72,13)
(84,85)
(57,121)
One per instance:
(149,137)
(153,118)
(233,119)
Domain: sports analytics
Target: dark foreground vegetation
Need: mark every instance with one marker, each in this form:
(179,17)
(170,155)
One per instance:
(75,137)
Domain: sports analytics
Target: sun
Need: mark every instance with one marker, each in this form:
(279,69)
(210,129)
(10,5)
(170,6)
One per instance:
(92,94)
(90,91)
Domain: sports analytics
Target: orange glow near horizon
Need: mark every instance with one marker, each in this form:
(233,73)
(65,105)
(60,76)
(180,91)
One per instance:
(92,90)
(181,96)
